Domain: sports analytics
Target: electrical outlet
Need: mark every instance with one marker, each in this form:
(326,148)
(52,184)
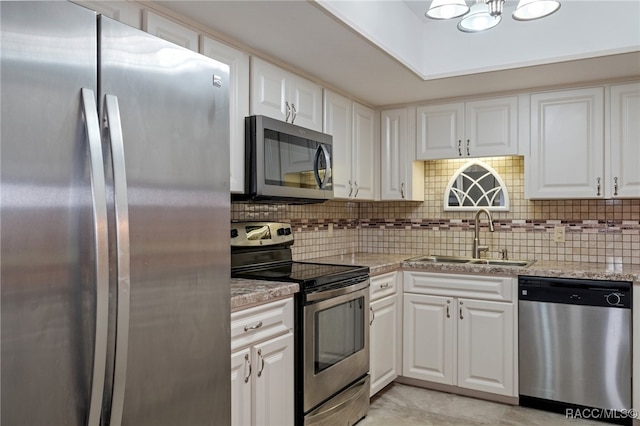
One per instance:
(558,234)
(330,229)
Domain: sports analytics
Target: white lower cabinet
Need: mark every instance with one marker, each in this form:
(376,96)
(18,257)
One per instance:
(455,337)
(385,338)
(262,387)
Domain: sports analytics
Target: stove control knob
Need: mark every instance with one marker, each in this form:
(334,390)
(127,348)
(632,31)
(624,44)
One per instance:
(613,298)
(281,231)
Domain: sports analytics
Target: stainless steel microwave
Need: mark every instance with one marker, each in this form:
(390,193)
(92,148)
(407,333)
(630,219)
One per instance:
(285,162)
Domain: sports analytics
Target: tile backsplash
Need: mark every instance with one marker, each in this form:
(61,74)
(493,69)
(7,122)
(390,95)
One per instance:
(604,231)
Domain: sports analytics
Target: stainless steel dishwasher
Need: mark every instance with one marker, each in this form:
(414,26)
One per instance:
(574,343)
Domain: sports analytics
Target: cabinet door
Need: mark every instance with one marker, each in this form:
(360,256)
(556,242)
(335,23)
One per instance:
(429,337)
(338,123)
(268,90)
(623,176)
(392,169)
(241,371)
(273,382)
(169,30)
(440,131)
(238,102)
(486,346)
(363,164)
(491,127)
(305,99)
(567,145)
(384,342)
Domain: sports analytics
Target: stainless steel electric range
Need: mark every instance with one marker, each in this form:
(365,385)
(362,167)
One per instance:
(331,324)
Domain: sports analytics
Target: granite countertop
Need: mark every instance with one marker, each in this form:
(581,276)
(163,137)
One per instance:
(381,263)
(246,293)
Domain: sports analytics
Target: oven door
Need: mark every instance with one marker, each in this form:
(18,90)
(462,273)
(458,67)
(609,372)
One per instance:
(336,343)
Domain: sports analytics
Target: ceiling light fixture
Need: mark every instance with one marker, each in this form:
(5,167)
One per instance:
(447,9)
(529,10)
(479,18)
(486,14)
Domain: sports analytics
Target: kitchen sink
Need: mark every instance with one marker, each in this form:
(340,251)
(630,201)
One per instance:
(472,261)
(440,259)
(501,262)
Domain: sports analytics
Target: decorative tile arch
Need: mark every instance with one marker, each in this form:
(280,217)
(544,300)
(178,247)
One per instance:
(476,185)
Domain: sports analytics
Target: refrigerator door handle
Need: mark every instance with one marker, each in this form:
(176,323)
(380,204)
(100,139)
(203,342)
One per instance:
(122,243)
(99,194)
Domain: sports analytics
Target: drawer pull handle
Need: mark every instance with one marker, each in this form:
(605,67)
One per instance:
(261,359)
(373,315)
(385,285)
(448,313)
(461,311)
(615,186)
(459,148)
(247,362)
(252,327)
(598,186)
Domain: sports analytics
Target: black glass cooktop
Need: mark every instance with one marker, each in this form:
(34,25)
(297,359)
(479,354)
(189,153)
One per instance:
(304,273)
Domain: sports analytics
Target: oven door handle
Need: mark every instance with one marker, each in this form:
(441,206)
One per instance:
(328,294)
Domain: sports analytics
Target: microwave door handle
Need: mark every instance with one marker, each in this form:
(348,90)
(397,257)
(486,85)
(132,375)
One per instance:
(327,158)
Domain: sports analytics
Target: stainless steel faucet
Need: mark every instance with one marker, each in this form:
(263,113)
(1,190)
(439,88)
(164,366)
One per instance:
(477,248)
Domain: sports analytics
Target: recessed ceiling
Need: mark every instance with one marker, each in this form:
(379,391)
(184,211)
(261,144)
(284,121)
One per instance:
(319,43)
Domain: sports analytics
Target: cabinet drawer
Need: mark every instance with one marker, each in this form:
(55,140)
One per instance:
(256,324)
(383,285)
(455,285)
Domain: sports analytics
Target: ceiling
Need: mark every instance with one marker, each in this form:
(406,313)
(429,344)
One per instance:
(380,63)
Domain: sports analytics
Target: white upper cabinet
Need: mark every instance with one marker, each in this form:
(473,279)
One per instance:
(481,128)
(169,30)
(285,96)
(401,178)
(351,126)
(623,175)
(238,102)
(122,11)
(567,145)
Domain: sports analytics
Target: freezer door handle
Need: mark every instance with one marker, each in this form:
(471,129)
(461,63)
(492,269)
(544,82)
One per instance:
(99,204)
(122,243)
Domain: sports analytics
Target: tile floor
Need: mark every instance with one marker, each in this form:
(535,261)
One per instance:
(402,405)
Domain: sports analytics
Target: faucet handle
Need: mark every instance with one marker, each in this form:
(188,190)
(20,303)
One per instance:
(504,255)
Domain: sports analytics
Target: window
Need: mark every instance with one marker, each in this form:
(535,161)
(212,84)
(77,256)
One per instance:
(476,185)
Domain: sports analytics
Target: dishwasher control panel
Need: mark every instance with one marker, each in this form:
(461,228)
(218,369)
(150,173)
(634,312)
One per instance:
(610,294)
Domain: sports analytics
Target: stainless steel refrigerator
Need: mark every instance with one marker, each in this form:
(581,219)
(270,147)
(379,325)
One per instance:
(114,220)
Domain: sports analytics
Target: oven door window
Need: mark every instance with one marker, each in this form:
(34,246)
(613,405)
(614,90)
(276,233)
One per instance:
(296,162)
(339,333)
